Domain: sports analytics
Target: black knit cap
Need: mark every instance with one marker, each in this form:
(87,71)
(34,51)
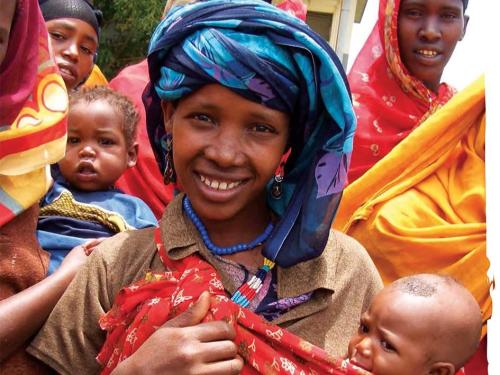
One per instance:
(79,9)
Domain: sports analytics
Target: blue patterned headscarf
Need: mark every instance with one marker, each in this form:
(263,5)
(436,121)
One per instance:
(272,58)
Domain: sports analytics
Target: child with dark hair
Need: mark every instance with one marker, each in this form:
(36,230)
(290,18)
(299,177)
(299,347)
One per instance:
(83,204)
(74,28)
(420,324)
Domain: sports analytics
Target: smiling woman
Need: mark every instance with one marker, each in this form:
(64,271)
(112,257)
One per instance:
(395,79)
(233,86)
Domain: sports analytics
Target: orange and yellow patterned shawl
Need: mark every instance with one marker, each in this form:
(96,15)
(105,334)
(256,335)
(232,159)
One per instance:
(422,208)
(33,109)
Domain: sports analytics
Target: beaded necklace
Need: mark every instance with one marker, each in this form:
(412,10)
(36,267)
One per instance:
(246,292)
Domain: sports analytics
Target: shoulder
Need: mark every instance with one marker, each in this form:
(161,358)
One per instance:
(350,262)
(126,248)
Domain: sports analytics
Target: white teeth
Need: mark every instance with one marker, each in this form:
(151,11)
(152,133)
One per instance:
(427,53)
(219,185)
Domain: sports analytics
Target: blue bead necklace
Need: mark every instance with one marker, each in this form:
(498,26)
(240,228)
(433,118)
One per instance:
(188,208)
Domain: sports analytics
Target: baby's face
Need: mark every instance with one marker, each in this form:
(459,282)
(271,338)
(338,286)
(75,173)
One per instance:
(394,336)
(97,152)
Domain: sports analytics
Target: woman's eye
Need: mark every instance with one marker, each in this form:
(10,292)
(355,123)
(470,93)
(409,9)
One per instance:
(412,12)
(73,140)
(261,128)
(449,16)
(387,346)
(202,117)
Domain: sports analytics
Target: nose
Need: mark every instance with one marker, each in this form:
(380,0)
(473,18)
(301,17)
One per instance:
(430,30)
(364,347)
(71,51)
(225,149)
(87,152)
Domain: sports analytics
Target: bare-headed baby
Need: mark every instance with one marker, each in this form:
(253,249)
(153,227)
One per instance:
(423,324)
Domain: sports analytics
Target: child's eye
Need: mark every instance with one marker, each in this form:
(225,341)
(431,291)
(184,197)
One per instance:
(387,346)
(262,128)
(57,36)
(73,140)
(87,50)
(363,328)
(106,141)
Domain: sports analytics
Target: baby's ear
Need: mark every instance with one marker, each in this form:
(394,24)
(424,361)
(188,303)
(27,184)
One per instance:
(442,368)
(132,154)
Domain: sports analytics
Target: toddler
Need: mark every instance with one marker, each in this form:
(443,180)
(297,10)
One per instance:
(83,203)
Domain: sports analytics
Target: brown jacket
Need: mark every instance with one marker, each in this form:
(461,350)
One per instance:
(344,281)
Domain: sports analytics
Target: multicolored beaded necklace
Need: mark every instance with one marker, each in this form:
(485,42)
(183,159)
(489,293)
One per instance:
(246,292)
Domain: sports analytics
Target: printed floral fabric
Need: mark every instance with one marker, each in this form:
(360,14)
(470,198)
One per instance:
(388,101)
(33,108)
(147,304)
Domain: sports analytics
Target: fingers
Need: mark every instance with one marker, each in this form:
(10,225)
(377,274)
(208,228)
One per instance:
(232,366)
(192,316)
(212,331)
(218,351)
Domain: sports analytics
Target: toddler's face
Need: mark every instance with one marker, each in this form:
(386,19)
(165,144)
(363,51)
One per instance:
(97,153)
(393,338)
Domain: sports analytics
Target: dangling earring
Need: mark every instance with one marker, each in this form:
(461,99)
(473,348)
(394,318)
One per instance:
(169,172)
(277,187)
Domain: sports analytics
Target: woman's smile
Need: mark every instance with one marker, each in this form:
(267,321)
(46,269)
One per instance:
(224,155)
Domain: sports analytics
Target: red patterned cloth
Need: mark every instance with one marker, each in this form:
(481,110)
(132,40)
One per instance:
(388,101)
(147,304)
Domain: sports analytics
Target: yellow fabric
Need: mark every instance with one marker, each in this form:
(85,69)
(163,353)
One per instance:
(422,207)
(96,78)
(66,205)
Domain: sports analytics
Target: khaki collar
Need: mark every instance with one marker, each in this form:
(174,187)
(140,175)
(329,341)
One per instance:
(181,239)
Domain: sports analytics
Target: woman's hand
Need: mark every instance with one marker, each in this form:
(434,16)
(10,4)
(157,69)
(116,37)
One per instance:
(184,345)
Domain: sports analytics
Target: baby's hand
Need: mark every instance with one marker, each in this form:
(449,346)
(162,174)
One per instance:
(77,257)
(90,245)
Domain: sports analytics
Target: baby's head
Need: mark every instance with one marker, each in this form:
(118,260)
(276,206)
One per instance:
(101,144)
(421,324)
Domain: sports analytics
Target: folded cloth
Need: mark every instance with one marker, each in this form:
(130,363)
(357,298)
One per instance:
(146,305)
(422,207)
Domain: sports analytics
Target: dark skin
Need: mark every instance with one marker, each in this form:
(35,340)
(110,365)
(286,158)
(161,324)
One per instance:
(238,147)
(23,314)
(428,31)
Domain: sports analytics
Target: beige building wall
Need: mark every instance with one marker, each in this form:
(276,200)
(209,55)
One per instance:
(333,20)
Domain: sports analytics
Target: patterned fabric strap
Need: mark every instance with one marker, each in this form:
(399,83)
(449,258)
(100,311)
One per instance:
(146,305)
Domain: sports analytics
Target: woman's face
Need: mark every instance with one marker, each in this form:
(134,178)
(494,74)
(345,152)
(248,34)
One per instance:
(226,149)
(428,32)
(74,43)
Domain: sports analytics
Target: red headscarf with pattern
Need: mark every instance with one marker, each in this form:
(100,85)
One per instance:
(388,101)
